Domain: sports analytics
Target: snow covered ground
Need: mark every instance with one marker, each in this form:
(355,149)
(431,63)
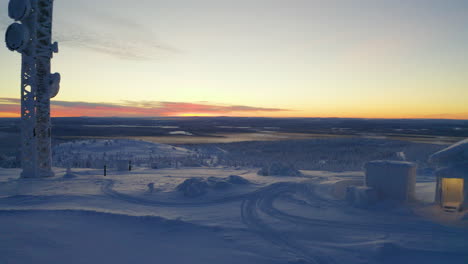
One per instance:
(98,147)
(90,218)
(96,153)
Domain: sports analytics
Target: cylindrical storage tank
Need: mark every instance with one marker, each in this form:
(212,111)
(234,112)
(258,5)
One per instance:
(392,180)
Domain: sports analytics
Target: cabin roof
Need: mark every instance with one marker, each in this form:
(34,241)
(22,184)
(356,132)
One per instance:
(456,153)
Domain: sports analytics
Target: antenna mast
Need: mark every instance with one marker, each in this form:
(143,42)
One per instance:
(31,36)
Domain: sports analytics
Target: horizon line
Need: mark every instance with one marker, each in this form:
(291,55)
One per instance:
(266,117)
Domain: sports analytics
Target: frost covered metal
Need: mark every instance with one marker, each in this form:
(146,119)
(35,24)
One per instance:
(31,36)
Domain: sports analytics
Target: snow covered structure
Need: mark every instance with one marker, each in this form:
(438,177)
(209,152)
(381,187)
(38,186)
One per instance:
(452,177)
(454,154)
(31,36)
(361,196)
(392,180)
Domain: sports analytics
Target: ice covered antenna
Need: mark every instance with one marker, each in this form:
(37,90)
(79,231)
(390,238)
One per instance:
(31,35)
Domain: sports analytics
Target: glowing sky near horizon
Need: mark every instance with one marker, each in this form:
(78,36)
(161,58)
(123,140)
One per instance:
(316,58)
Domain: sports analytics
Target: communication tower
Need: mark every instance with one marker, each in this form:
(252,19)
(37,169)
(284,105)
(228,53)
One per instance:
(31,35)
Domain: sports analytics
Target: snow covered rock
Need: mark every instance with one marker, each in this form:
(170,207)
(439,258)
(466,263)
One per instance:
(456,153)
(279,169)
(235,179)
(193,187)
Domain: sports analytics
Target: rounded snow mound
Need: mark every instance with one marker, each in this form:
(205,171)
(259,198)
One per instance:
(235,179)
(195,187)
(218,183)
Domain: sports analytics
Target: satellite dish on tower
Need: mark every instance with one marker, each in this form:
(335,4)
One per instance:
(54,84)
(19,9)
(17,37)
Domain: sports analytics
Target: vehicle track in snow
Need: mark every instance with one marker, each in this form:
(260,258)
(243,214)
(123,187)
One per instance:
(249,217)
(258,206)
(258,209)
(421,228)
(262,205)
(250,214)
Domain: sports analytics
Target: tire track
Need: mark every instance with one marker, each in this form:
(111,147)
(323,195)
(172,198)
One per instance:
(422,228)
(263,202)
(250,217)
(249,214)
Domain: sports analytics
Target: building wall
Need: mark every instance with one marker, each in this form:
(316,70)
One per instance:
(459,171)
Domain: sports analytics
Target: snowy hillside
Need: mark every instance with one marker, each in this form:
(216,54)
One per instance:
(335,154)
(94,153)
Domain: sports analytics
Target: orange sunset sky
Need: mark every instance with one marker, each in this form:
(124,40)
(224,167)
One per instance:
(298,58)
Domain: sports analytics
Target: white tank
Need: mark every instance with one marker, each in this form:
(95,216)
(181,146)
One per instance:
(392,180)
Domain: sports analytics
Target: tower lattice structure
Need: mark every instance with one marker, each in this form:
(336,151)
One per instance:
(32,38)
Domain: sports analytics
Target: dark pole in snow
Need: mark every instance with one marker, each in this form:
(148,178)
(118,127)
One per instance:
(129,165)
(105,170)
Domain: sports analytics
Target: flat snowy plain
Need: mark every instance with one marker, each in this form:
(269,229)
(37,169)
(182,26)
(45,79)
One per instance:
(90,218)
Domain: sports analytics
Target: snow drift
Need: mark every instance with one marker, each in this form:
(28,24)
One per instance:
(198,186)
